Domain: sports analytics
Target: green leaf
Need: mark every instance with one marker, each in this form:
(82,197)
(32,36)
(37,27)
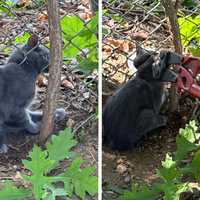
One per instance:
(92,25)
(4,8)
(183,147)
(141,193)
(22,38)
(71,26)
(185,140)
(39,165)
(189,28)
(87,65)
(194,50)
(60,146)
(80,179)
(172,191)
(10,192)
(169,171)
(78,36)
(194,167)
(52,192)
(190,132)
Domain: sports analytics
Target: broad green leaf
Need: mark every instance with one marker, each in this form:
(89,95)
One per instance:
(189,3)
(173,191)
(38,164)
(189,28)
(60,146)
(9,191)
(190,132)
(92,25)
(185,140)
(4,9)
(183,147)
(71,26)
(141,193)
(195,51)
(194,167)
(52,192)
(87,65)
(22,38)
(169,171)
(80,179)
(78,36)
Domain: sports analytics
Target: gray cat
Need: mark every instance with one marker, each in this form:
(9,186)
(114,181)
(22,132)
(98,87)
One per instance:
(17,90)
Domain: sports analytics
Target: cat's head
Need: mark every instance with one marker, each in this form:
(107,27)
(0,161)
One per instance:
(31,54)
(154,66)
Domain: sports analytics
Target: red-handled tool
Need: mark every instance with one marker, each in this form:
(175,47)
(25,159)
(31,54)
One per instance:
(188,71)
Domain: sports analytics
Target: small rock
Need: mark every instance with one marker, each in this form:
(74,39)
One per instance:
(70,123)
(67,84)
(86,95)
(42,81)
(119,161)
(127,179)
(110,156)
(121,168)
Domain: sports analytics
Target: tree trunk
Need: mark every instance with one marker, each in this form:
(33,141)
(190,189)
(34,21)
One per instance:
(171,13)
(54,69)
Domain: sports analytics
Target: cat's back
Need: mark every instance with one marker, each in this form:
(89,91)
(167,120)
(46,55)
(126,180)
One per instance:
(15,83)
(129,97)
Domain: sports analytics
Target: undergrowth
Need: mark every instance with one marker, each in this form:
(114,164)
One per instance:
(175,172)
(40,183)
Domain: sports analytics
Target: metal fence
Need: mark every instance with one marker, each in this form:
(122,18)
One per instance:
(78,92)
(127,23)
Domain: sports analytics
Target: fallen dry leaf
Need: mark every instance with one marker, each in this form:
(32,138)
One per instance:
(70,123)
(67,84)
(42,17)
(111,23)
(41,81)
(127,179)
(87,15)
(85,2)
(121,168)
(24,3)
(140,36)
(121,45)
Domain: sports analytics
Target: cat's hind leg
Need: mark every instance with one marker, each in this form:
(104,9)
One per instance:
(148,120)
(3,139)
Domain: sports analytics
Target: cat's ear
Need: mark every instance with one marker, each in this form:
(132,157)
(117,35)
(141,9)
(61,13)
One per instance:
(140,51)
(32,41)
(142,55)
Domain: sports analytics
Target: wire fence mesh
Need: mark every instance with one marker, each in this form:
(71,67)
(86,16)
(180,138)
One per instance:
(20,19)
(128,23)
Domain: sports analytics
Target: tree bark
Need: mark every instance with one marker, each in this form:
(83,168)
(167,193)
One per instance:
(54,69)
(171,13)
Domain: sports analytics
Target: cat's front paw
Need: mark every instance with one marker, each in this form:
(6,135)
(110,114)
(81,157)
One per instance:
(33,128)
(3,148)
(60,114)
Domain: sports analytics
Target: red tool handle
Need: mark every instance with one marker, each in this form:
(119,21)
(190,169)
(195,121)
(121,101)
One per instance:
(185,82)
